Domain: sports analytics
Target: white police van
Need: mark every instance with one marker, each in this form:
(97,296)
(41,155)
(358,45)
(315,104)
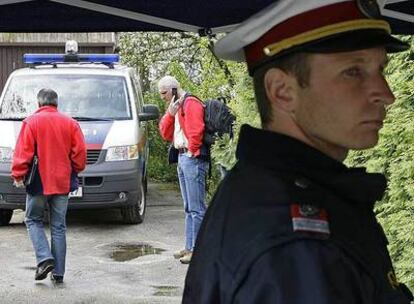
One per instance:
(106,99)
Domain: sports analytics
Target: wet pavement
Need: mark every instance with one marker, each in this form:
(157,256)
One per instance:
(127,252)
(107,261)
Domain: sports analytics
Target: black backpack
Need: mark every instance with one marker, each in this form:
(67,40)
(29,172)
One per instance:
(218,120)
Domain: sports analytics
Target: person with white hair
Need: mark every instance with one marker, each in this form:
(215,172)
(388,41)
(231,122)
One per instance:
(292,224)
(183,126)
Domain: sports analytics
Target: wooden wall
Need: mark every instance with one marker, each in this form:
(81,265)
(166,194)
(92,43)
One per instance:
(14,45)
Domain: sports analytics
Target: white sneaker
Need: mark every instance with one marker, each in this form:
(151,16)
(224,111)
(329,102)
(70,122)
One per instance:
(180,253)
(186,259)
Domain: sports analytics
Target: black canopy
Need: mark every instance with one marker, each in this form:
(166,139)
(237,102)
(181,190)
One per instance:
(154,15)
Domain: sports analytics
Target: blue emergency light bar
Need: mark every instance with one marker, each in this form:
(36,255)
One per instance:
(65,58)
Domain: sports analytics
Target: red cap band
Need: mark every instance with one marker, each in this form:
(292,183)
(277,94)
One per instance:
(300,24)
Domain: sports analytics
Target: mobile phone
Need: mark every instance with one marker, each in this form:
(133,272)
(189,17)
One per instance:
(174,93)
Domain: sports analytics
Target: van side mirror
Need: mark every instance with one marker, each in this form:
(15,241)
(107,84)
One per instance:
(149,112)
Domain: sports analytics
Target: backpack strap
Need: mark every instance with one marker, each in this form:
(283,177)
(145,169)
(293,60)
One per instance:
(186,95)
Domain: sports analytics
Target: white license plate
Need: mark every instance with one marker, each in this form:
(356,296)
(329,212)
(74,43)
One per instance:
(76,193)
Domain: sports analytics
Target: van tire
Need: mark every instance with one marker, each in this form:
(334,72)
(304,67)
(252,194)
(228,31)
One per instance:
(134,214)
(5,216)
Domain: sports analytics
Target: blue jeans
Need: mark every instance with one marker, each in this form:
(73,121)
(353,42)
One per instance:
(35,207)
(192,174)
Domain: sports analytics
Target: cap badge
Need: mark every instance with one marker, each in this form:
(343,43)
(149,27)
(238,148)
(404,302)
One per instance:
(369,8)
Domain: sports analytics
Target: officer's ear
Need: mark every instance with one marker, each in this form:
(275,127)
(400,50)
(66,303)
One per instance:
(280,89)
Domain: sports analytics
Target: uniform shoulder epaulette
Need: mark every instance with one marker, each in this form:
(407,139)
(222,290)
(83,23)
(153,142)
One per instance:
(309,218)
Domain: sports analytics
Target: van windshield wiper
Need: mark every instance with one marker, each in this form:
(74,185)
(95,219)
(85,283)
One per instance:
(85,118)
(12,118)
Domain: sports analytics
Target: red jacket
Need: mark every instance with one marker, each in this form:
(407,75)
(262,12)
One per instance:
(60,149)
(191,119)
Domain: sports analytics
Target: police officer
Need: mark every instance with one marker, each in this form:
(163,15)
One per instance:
(291,223)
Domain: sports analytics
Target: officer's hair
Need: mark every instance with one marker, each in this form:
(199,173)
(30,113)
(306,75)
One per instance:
(47,97)
(296,64)
(168,82)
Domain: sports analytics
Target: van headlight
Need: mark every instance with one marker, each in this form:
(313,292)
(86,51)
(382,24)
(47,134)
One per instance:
(6,154)
(122,153)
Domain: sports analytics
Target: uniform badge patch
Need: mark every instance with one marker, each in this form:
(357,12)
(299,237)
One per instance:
(392,279)
(309,218)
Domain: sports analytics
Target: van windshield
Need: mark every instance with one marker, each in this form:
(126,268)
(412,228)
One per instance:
(80,96)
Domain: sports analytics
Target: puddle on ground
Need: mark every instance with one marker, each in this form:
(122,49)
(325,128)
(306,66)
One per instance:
(167,291)
(127,252)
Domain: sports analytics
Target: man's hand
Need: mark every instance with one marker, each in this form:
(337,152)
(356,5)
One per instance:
(174,106)
(18,184)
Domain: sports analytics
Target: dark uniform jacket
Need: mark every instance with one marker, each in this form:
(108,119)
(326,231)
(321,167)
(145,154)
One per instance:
(292,225)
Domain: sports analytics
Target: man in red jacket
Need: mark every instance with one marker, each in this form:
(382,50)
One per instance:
(183,125)
(58,142)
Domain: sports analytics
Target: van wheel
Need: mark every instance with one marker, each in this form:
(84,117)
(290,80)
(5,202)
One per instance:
(5,216)
(134,214)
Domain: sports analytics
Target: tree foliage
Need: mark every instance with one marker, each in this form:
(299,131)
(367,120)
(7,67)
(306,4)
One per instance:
(189,58)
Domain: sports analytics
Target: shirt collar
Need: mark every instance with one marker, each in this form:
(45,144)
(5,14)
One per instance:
(47,109)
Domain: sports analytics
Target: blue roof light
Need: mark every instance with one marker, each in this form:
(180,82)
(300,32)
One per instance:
(62,58)
(103,58)
(43,58)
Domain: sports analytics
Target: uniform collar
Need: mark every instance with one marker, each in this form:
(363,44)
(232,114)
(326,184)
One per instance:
(285,154)
(268,147)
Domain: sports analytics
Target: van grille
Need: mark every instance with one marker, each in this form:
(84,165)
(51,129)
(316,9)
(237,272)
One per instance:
(15,198)
(92,156)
